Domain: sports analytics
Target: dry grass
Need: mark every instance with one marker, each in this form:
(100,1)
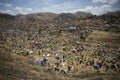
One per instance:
(16,67)
(106,36)
(102,34)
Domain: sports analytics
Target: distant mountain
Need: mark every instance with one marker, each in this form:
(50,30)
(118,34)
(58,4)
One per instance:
(111,15)
(65,16)
(77,15)
(51,16)
(6,20)
(82,14)
(6,16)
(46,16)
(38,16)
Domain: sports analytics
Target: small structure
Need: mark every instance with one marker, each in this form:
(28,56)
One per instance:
(72,28)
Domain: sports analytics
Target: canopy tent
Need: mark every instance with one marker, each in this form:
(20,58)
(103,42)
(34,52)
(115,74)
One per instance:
(72,28)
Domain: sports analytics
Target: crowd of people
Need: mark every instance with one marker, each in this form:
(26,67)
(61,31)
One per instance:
(67,53)
(94,57)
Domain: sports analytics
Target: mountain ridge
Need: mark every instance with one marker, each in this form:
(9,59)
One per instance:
(51,16)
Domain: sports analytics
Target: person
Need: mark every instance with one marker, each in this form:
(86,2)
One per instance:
(98,66)
(56,68)
(63,56)
(57,63)
(45,59)
(63,63)
(70,68)
(37,60)
(48,55)
(57,57)
(39,53)
(63,71)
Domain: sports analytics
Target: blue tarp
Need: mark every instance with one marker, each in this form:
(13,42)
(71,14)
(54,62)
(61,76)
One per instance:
(72,28)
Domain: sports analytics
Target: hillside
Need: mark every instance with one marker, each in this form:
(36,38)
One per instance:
(52,16)
(38,16)
(66,46)
(112,17)
(6,16)
(82,14)
(25,22)
(112,14)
